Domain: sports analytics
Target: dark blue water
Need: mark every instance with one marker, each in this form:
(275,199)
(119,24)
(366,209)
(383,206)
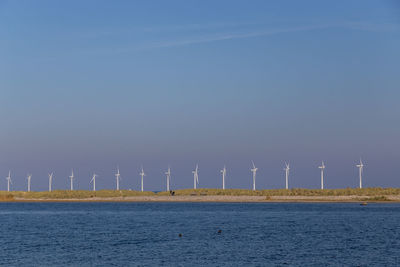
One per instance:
(120,234)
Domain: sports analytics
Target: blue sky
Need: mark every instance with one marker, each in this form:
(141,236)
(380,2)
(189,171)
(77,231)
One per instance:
(91,85)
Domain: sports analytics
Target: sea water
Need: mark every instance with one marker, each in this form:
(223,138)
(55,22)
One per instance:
(212,234)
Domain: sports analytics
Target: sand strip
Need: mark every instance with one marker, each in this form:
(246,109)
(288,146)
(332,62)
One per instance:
(220,198)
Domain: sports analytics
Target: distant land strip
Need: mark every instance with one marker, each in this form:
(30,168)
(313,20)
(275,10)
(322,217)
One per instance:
(375,194)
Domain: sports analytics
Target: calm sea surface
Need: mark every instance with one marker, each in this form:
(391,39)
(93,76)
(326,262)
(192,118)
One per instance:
(270,234)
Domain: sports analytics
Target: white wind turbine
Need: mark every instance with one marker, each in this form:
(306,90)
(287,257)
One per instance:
(196,176)
(286,169)
(94,181)
(8,178)
(71,177)
(322,167)
(142,174)
(168,174)
(223,171)
(254,171)
(118,176)
(50,180)
(360,171)
(29,182)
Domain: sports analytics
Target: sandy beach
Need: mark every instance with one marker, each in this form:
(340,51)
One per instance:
(216,198)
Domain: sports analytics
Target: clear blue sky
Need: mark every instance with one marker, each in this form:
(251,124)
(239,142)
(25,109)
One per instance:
(92,84)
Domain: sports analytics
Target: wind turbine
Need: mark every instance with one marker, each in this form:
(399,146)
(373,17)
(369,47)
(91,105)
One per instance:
(29,182)
(360,170)
(72,179)
(168,174)
(322,167)
(94,181)
(223,171)
(142,174)
(118,176)
(50,180)
(254,171)
(8,178)
(196,176)
(286,169)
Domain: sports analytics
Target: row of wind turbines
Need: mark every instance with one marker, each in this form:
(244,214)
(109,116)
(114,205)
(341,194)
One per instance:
(195,173)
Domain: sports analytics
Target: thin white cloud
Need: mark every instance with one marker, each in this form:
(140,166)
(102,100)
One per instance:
(174,28)
(243,34)
(224,36)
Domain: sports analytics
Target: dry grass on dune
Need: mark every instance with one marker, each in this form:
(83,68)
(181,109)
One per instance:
(6,196)
(76,194)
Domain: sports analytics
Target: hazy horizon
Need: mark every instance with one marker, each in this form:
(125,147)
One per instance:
(91,86)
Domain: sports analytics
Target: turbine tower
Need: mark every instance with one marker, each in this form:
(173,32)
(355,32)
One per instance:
(254,171)
(322,167)
(117,176)
(223,171)
(142,174)
(8,178)
(196,176)
(286,169)
(168,174)
(94,181)
(360,170)
(50,180)
(72,179)
(29,182)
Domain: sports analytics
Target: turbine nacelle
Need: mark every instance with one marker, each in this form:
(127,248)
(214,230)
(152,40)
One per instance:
(254,169)
(142,172)
(223,171)
(8,178)
(322,166)
(287,166)
(360,165)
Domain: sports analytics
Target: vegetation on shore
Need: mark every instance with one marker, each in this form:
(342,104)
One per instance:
(6,197)
(372,191)
(375,193)
(76,194)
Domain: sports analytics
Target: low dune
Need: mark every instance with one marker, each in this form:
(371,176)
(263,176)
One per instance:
(211,195)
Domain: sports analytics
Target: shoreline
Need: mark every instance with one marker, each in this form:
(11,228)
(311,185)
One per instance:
(221,199)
